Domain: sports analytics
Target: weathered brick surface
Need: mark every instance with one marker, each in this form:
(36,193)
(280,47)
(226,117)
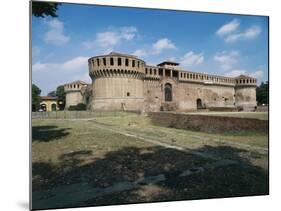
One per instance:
(208,123)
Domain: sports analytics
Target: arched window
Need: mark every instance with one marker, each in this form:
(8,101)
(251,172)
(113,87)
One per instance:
(168,92)
(54,107)
(199,103)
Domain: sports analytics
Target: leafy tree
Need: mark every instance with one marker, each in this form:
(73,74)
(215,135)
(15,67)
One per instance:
(262,93)
(52,94)
(43,9)
(35,97)
(60,96)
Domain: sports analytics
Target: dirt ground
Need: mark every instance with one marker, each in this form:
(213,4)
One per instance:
(127,159)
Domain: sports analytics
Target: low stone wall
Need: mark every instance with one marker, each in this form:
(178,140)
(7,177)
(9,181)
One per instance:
(206,123)
(77,114)
(223,109)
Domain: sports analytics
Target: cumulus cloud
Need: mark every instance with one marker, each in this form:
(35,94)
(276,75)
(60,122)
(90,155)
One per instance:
(250,33)
(231,33)
(74,64)
(155,48)
(111,38)
(55,34)
(256,74)
(192,58)
(140,53)
(162,44)
(226,59)
(228,27)
(50,75)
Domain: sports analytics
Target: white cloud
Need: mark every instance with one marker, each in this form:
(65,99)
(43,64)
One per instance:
(191,58)
(106,39)
(228,28)
(110,38)
(231,34)
(128,33)
(226,59)
(140,53)
(74,64)
(235,73)
(162,44)
(55,35)
(256,74)
(155,48)
(50,75)
(250,33)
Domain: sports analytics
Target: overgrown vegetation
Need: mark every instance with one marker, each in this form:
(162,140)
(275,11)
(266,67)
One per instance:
(36,91)
(43,9)
(78,107)
(263,93)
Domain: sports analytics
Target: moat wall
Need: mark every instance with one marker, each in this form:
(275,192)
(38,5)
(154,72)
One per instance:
(206,123)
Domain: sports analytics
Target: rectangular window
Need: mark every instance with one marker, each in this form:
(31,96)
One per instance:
(161,72)
(104,61)
(111,61)
(127,62)
(138,64)
(133,63)
(98,61)
(119,62)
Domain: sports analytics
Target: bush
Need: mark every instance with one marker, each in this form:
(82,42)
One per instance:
(78,107)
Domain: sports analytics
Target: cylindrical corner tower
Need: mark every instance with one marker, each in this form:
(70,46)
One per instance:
(117,82)
(245,93)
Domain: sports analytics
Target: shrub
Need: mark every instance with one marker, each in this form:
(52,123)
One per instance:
(78,107)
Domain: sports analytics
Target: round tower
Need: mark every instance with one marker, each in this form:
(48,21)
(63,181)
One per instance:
(245,93)
(117,82)
(73,93)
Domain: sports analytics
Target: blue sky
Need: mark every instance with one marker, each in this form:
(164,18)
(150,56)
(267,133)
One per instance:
(221,44)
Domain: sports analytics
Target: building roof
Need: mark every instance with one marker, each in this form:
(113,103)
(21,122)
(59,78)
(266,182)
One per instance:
(78,82)
(167,62)
(48,98)
(243,76)
(122,54)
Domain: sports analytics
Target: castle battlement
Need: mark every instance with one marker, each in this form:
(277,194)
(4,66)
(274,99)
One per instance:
(125,82)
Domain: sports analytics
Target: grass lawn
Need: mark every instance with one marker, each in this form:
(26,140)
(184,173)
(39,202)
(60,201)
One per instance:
(71,159)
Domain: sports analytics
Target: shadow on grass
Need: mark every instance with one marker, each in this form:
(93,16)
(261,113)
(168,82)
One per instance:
(130,164)
(48,133)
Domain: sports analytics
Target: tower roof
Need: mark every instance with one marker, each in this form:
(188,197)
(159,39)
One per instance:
(78,82)
(167,62)
(243,76)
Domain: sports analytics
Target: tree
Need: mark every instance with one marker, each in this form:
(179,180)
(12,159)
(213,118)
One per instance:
(262,93)
(60,97)
(35,97)
(52,94)
(43,9)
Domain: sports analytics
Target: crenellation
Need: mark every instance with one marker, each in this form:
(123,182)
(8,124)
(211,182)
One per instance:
(125,82)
